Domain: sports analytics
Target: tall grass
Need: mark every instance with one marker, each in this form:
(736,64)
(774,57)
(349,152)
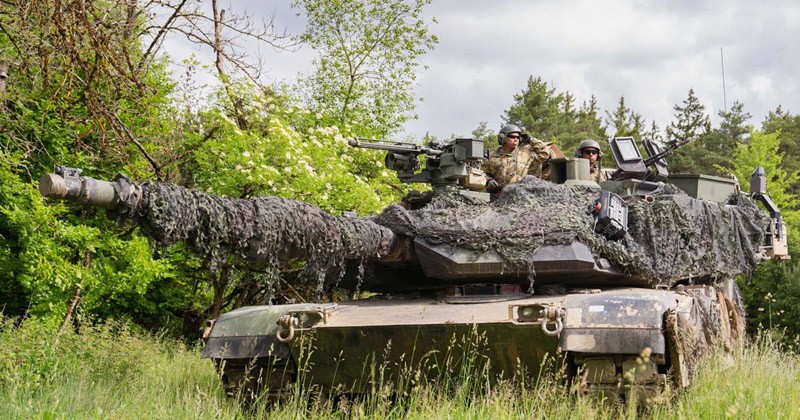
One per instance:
(104,372)
(110,371)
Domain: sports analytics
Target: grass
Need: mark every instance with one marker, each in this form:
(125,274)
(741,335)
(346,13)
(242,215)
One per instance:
(110,371)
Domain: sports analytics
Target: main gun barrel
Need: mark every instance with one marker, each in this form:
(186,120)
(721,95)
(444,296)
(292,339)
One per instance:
(66,183)
(266,231)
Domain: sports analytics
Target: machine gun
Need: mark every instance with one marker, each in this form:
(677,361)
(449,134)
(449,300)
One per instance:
(656,154)
(445,163)
(632,165)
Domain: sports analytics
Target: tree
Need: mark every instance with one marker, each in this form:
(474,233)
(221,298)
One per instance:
(690,123)
(90,90)
(482,132)
(206,24)
(625,122)
(368,57)
(315,165)
(787,127)
(76,98)
(772,294)
(732,126)
(762,150)
(690,120)
(653,134)
(719,145)
(536,109)
(589,124)
(552,116)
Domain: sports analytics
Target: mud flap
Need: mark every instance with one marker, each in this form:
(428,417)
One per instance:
(704,318)
(677,350)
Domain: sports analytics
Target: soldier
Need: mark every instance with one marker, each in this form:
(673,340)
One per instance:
(590,149)
(510,162)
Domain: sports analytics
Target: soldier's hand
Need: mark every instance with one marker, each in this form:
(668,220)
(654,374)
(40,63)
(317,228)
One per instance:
(493,187)
(524,138)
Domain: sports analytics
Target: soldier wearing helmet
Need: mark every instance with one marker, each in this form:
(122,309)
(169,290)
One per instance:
(590,149)
(510,162)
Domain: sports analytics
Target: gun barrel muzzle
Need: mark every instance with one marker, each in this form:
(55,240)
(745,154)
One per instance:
(84,190)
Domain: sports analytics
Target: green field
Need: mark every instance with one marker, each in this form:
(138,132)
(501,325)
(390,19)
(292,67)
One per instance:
(112,372)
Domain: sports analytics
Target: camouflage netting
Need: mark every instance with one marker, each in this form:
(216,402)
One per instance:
(672,237)
(268,231)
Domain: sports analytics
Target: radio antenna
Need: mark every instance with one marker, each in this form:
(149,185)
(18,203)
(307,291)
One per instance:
(724,97)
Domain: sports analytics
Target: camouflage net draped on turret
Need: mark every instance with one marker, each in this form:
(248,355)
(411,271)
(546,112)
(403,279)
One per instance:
(672,237)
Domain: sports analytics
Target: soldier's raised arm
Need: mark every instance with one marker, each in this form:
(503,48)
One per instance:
(539,154)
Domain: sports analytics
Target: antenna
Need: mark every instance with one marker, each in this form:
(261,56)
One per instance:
(722,64)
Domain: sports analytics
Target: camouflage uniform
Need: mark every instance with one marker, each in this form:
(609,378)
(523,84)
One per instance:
(510,167)
(595,174)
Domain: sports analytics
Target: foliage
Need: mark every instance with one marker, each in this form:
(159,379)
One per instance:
(762,150)
(90,374)
(773,293)
(587,126)
(367,64)
(689,125)
(625,122)
(110,117)
(552,116)
(772,296)
(281,153)
(712,153)
(315,165)
(67,99)
(653,134)
(484,133)
(722,142)
(51,252)
(788,128)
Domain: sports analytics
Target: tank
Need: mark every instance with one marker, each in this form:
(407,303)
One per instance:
(626,283)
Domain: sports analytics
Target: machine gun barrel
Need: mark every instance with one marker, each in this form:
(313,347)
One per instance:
(673,146)
(393,146)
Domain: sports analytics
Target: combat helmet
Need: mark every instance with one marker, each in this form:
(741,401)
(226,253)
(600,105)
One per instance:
(589,143)
(506,130)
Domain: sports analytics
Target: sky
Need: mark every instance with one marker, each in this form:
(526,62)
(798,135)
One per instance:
(650,52)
